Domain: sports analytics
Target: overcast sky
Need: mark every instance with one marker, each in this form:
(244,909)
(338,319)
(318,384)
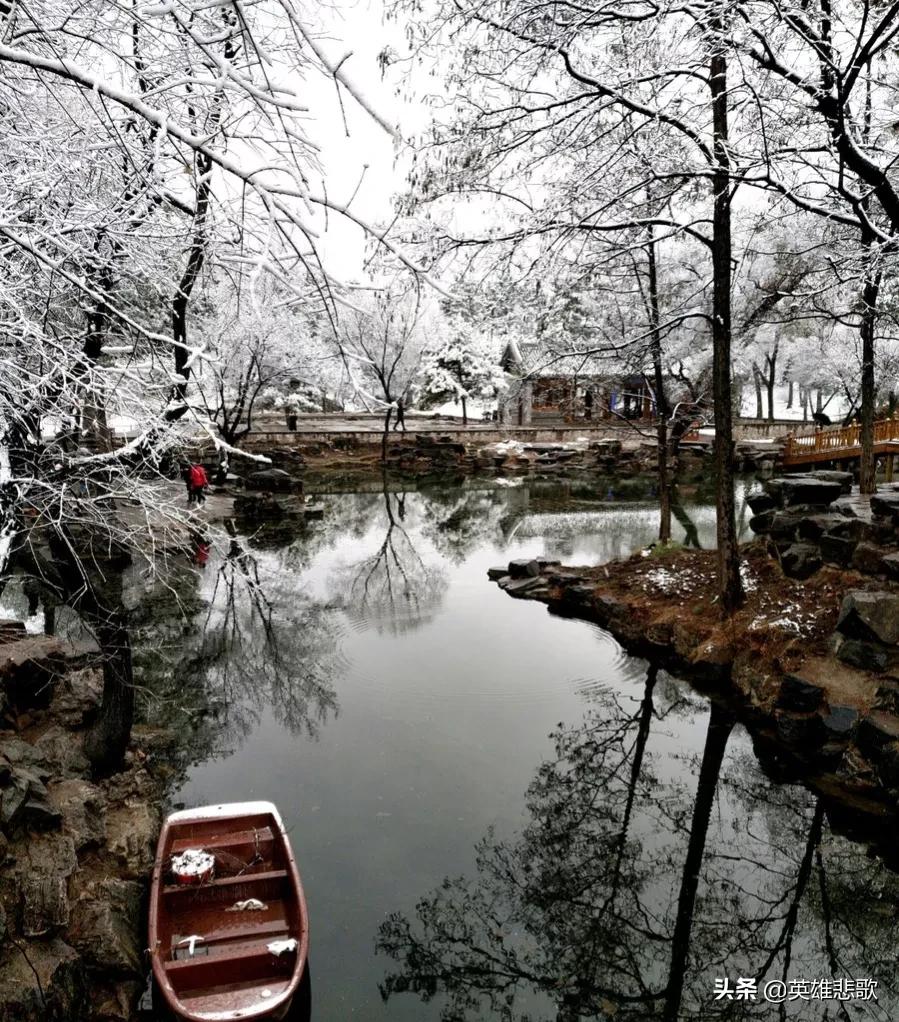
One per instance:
(358,27)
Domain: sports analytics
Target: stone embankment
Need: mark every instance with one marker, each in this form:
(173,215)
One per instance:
(76,851)
(433,452)
(812,665)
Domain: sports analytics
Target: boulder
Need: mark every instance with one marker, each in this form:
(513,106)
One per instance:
(798,729)
(809,490)
(800,560)
(131,831)
(805,489)
(106,925)
(846,527)
(44,904)
(494,574)
(814,526)
(870,616)
(885,505)
(80,805)
(49,985)
(832,476)
(837,549)
(866,656)
(273,480)
(267,507)
(759,502)
(519,586)
(524,567)
(875,732)
(841,720)
(761,523)
(799,695)
(890,564)
(867,558)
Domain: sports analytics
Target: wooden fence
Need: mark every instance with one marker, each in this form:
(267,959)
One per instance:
(841,442)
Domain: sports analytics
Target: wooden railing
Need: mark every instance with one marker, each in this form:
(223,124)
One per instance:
(843,440)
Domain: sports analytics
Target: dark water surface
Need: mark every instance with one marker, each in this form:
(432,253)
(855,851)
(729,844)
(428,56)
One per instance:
(413,723)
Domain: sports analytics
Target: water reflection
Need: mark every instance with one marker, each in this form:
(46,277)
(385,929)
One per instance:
(391,587)
(630,891)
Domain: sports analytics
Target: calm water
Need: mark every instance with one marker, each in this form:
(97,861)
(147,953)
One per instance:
(415,724)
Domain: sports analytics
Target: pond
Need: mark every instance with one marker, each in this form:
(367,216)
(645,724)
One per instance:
(499,807)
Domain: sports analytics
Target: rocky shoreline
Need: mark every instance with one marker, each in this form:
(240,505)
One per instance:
(814,716)
(76,850)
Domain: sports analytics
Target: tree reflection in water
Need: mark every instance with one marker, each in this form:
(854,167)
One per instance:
(393,587)
(629,892)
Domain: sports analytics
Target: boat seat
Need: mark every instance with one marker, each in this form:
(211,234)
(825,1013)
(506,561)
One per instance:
(228,885)
(237,964)
(235,838)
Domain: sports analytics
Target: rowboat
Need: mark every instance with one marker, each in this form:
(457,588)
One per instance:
(229,932)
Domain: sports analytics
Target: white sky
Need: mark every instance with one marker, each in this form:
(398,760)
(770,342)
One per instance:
(359,28)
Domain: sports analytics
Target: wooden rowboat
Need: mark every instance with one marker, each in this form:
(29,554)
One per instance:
(231,945)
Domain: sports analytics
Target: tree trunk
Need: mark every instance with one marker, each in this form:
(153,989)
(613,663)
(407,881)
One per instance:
(664,475)
(771,362)
(730,586)
(757,380)
(107,739)
(721,722)
(384,438)
(790,394)
(867,463)
(464,413)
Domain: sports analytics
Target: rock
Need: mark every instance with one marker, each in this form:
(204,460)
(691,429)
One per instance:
(63,752)
(12,801)
(798,729)
(609,608)
(847,528)
(837,549)
(131,831)
(273,480)
(874,732)
(266,507)
(869,616)
(80,805)
(832,476)
(106,925)
(759,502)
(50,985)
(888,765)
(885,505)
(519,586)
(44,904)
(494,574)
(809,490)
(77,696)
(887,698)
(841,720)
(814,526)
(890,564)
(761,523)
(866,656)
(867,558)
(524,567)
(799,695)
(800,560)
(38,813)
(579,595)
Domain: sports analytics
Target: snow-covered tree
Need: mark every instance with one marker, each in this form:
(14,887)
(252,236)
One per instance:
(460,369)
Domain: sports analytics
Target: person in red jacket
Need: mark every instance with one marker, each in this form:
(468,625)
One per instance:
(197,483)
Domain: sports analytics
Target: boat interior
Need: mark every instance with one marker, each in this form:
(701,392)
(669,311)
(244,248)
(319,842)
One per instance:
(215,936)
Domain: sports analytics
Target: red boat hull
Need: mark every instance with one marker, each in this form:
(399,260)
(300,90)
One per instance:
(234,946)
